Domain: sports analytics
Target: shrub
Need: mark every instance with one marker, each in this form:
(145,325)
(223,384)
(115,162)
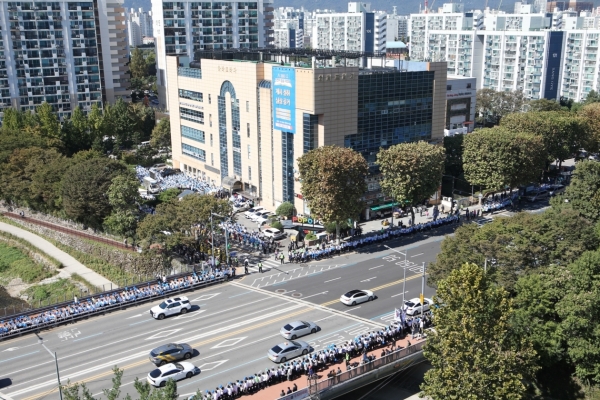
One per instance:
(285,209)
(277,225)
(310,236)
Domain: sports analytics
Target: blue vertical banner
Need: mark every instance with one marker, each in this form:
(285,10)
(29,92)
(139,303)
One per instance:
(284,99)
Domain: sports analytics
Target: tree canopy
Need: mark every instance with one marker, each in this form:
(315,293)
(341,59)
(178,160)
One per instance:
(333,182)
(161,134)
(474,351)
(497,158)
(563,133)
(412,172)
(583,194)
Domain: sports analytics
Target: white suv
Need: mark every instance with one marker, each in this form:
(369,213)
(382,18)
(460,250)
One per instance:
(176,305)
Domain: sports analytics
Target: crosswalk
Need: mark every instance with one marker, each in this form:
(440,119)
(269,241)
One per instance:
(267,265)
(279,276)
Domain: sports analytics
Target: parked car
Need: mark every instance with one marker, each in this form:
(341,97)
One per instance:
(274,233)
(539,195)
(413,306)
(260,214)
(253,211)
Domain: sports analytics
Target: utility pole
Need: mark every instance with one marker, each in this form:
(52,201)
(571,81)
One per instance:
(423,290)
(41,341)
(404,282)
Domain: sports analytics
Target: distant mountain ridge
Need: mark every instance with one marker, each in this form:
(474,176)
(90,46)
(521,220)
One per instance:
(403,7)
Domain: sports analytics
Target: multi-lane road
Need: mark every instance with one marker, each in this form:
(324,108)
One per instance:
(232,325)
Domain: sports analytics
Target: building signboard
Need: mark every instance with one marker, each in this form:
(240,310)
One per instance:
(284,99)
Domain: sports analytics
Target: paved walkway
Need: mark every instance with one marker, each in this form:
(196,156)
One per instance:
(274,391)
(70,265)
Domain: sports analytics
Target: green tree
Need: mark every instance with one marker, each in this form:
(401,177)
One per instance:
(114,392)
(412,172)
(583,194)
(516,246)
(76,133)
(137,64)
(592,97)
(333,182)
(474,352)
(544,105)
(161,134)
(590,114)
(285,209)
(96,126)
(497,158)
(123,197)
(84,190)
(169,194)
(563,133)
(49,124)
(46,182)
(144,121)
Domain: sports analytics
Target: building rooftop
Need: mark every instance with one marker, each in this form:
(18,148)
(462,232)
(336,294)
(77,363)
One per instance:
(281,55)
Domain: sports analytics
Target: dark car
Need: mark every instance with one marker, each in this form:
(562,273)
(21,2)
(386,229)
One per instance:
(171,352)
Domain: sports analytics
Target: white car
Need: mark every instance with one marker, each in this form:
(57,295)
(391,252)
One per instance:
(241,207)
(260,214)
(176,371)
(356,296)
(176,305)
(413,306)
(274,233)
(288,350)
(296,329)
(253,211)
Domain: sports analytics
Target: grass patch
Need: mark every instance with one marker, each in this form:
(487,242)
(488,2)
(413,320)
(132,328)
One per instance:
(25,245)
(16,264)
(85,282)
(52,293)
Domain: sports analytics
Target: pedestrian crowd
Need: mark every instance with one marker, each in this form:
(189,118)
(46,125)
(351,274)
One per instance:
(309,365)
(179,181)
(90,305)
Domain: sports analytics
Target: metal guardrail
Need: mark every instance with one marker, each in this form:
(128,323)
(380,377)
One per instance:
(104,309)
(370,366)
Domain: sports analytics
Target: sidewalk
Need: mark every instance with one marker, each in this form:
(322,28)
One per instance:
(70,265)
(274,391)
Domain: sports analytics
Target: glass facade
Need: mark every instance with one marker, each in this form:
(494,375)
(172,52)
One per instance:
(191,133)
(192,151)
(189,72)
(393,107)
(188,94)
(310,130)
(287,163)
(227,87)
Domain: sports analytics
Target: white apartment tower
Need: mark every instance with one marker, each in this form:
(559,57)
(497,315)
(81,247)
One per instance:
(66,53)
(184,27)
(139,25)
(357,30)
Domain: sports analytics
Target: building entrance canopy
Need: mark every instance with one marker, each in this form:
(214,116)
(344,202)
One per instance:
(231,183)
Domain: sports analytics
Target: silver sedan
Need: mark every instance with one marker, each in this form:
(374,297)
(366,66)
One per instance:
(288,350)
(296,329)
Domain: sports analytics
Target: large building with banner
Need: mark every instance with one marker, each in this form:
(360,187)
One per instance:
(241,118)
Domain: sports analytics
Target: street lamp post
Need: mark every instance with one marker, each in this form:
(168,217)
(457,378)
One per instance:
(40,341)
(405,254)
(213,238)
(423,291)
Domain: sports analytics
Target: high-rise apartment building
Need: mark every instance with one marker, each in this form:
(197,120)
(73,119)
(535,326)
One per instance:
(290,29)
(505,52)
(185,27)
(241,118)
(65,53)
(139,25)
(359,29)
(397,27)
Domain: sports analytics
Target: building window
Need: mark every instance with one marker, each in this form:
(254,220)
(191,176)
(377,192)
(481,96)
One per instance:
(248,129)
(468,86)
(188,94)
(212,159)
(287,165)
(247,106)
(309,131)
(190,72)
(192,151)
(211,142)
(209,99)
(249,173)
(191,133)
(210,120)
(191,115)
(448,87)
(249,152)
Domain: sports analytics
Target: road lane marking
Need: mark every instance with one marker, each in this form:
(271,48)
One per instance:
(241,294)
(379,266)
(87,337)
(352,309)
(399,294)
(316,294)
(370,279)
(22,355)
(331,280)
(145,360)
(417,255)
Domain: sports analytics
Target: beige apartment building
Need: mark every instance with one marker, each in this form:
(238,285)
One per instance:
(241,118)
